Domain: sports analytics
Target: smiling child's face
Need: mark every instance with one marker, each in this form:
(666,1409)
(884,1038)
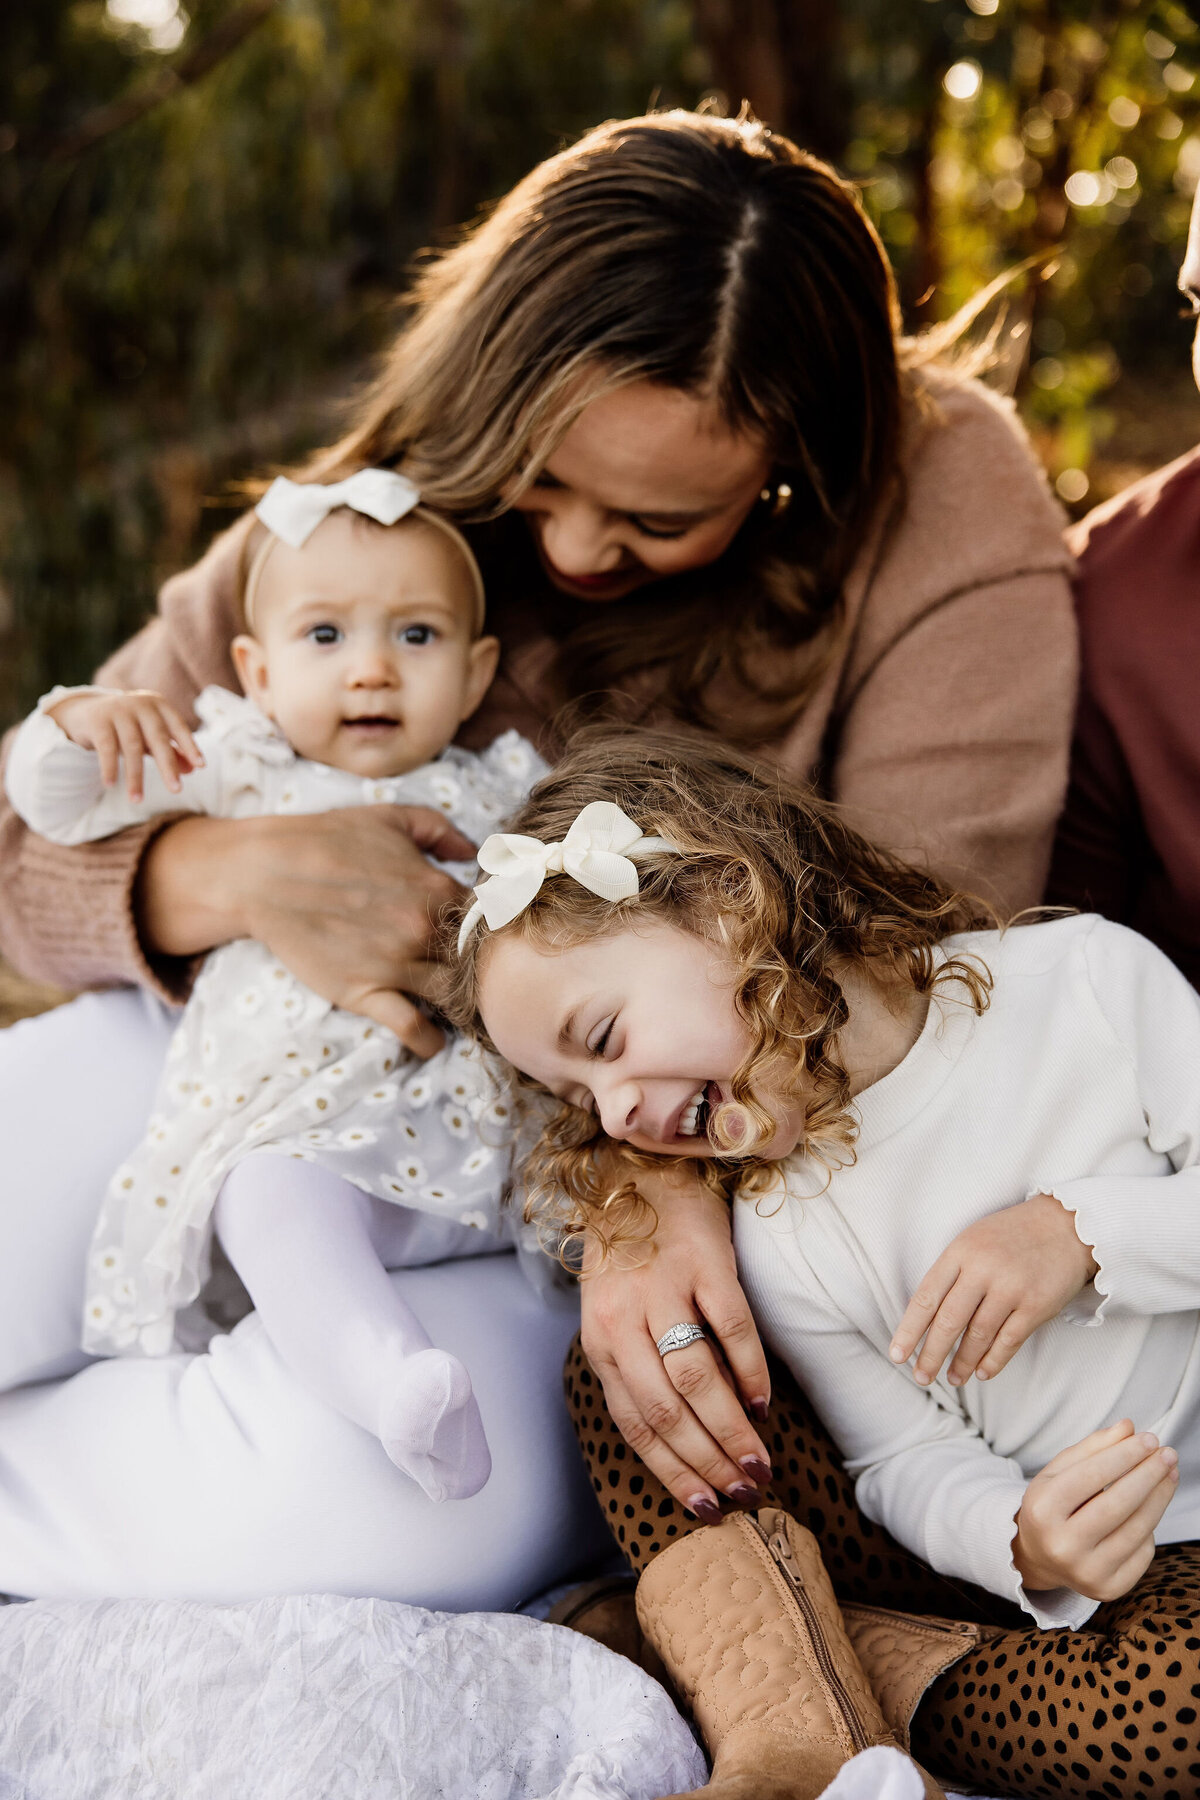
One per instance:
(640,1027)
(364,650)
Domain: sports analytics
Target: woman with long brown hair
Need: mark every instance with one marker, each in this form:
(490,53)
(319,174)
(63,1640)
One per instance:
(664,389)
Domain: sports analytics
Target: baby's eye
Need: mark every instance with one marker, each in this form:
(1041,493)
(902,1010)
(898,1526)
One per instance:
(599,1041)
(324,634)
(418,634)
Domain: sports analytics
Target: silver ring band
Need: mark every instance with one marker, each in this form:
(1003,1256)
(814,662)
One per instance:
(678,1337)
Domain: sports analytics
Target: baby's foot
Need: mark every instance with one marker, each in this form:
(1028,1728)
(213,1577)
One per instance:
(431,1428)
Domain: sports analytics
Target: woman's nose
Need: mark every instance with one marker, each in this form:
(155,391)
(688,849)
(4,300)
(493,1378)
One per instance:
(580,540)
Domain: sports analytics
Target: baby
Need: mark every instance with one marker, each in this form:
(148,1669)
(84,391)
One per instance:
(322,1152)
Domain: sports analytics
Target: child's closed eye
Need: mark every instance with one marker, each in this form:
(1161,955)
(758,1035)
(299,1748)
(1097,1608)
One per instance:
(598,1042)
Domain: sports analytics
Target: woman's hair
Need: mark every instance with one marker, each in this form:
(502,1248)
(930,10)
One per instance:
(794,898)
(709,255)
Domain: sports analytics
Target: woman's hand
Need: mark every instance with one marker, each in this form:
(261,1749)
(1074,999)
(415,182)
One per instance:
(346,900)
(125,728)
(681,1413)
(1087,1521)
(996,1283)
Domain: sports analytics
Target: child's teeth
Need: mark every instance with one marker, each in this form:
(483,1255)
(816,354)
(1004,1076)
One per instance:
(689,1115)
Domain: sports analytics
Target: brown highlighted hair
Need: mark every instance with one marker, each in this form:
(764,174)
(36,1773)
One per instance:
(793,898)
(710,255)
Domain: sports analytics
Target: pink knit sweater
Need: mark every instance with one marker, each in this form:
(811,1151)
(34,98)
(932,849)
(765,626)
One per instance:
(942,721)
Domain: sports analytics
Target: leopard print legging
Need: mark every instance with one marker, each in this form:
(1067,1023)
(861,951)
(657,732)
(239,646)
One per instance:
(1109,1711)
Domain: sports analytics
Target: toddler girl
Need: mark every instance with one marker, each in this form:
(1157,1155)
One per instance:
(727,973)
(323,1152)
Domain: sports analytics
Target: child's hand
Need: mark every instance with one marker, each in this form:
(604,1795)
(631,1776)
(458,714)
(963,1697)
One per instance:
(997,1282)
(1087,1521)
(125,728)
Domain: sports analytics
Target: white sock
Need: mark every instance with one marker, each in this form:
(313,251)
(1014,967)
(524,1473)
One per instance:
(311,1249)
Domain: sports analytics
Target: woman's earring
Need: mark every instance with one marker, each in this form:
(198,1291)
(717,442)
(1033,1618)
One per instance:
(776,497)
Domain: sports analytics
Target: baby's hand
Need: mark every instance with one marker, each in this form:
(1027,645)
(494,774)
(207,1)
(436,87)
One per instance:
(1087,1521)
(999,1280)
(125,728)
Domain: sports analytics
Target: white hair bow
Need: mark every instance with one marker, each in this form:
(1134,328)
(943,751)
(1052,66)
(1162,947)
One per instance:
(600,851)
(294,509)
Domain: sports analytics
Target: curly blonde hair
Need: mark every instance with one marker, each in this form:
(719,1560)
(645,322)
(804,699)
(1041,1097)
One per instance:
(792,896)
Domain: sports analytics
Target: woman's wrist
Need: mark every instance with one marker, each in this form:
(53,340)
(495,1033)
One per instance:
(189,896)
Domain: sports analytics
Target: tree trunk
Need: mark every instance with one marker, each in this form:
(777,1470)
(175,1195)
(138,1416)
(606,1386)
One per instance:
(449,109)
(782,57)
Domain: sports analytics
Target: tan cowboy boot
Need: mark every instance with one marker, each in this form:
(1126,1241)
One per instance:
(902,1654)
(743,1615)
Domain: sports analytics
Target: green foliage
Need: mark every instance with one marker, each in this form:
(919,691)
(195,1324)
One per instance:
(204,224)
(192,297)
(1059,130)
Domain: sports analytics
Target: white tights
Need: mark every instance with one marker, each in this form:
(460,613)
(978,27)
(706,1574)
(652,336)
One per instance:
(221,1477)
(313,1252)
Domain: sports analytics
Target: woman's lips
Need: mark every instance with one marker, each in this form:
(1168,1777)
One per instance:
(611,583)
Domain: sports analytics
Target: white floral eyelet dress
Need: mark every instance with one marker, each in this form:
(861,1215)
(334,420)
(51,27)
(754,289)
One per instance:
(259,1062)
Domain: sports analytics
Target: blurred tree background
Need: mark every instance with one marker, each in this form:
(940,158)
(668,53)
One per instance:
(208,207)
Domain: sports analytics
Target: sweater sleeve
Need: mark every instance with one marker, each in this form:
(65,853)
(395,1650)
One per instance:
(950,737)
(1144,1229)
(67,915)
(920,1466)
(1101,845)
(56,786)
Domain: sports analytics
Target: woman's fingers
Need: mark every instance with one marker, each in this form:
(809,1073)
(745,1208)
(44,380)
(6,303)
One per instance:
(682,1481)
(667,1437)
(398,1014)
(731,1322)
(700,1379)
(920,1312)
(692,1409)
(433,834)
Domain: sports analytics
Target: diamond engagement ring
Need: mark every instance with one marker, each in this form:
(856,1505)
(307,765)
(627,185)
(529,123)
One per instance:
(678,1338)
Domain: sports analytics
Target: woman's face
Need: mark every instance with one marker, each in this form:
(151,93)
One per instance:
(648,482)
(1189,278)
(640,1027)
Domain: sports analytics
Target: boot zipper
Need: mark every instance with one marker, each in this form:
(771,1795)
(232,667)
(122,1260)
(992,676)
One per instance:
(780,1550)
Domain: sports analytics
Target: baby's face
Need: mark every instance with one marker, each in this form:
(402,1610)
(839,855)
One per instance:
(639,1027)
(364,650)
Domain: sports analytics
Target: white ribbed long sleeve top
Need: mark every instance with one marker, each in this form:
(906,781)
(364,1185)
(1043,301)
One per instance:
(1081,1080)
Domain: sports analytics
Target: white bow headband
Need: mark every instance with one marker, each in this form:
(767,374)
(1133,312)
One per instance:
(601,851)
(292,510)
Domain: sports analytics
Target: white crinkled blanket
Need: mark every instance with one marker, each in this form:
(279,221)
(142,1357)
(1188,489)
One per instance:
(323,1698)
